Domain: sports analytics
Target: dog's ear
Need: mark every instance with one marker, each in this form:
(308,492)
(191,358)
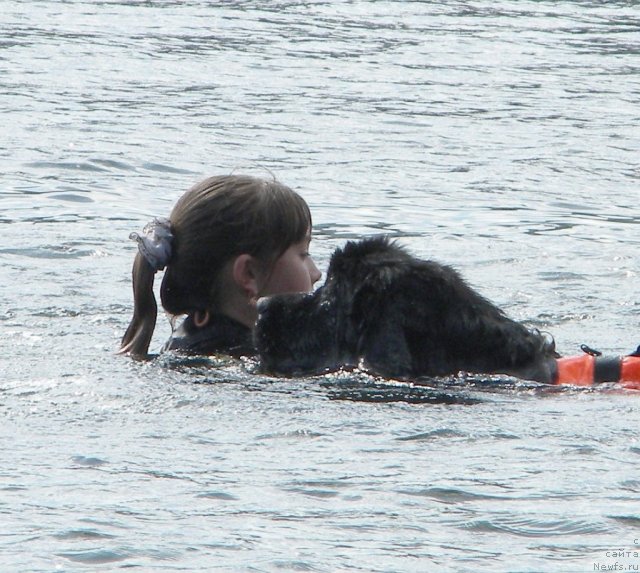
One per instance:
(386,352)
(379,335)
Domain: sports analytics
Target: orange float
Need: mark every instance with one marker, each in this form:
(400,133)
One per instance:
(592,368)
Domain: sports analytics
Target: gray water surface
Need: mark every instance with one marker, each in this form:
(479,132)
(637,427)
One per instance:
(501,138)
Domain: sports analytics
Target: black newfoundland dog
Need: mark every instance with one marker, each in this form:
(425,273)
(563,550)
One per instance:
(398,316)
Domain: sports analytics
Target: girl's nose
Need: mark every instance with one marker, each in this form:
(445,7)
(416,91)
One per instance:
(315,273)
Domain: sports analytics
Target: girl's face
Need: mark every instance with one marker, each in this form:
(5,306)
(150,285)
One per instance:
(293,272)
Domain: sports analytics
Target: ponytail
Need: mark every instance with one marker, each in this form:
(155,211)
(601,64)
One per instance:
(154,253)
(137,338)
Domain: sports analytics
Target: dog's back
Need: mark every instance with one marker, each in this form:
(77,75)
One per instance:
(419,317)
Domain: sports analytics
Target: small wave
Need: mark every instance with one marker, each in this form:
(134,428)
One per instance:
(323,483)
(49,252)
(536,527)
(94,164)
(449,495)
(83,534)
(113,164)
(373,390)
(88,461)
(71,197)
(295,566)
(67,165)
(97,557)
(631,485)
(165,168)
(433,435)
(290,434)
(13,488)
(322,488)
(627,520)
(219,495)
(313,492)
(56,312)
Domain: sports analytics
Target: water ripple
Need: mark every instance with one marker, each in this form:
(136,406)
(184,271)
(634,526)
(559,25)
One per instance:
(83,534)
(433,435)
(95,557)
(500,137)
(534,527)
(89,461)
(449,495)
(219,495)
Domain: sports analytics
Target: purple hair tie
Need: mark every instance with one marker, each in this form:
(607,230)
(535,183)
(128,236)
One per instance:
(155,243)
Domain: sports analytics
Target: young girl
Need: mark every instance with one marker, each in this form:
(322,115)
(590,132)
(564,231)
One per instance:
(229,240)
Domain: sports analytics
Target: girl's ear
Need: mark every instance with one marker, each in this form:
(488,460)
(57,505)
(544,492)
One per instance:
(245,274)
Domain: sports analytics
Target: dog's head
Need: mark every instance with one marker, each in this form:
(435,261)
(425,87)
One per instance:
(312,333)
(296,333)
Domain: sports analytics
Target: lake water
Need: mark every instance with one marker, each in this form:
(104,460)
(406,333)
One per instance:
(501,138)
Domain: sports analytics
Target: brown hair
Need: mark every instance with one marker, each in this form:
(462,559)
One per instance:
(216,220)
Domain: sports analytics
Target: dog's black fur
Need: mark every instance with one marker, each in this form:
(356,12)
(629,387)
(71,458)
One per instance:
(397,316)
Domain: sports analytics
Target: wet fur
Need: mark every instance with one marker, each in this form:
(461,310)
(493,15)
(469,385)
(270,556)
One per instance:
(398,316)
